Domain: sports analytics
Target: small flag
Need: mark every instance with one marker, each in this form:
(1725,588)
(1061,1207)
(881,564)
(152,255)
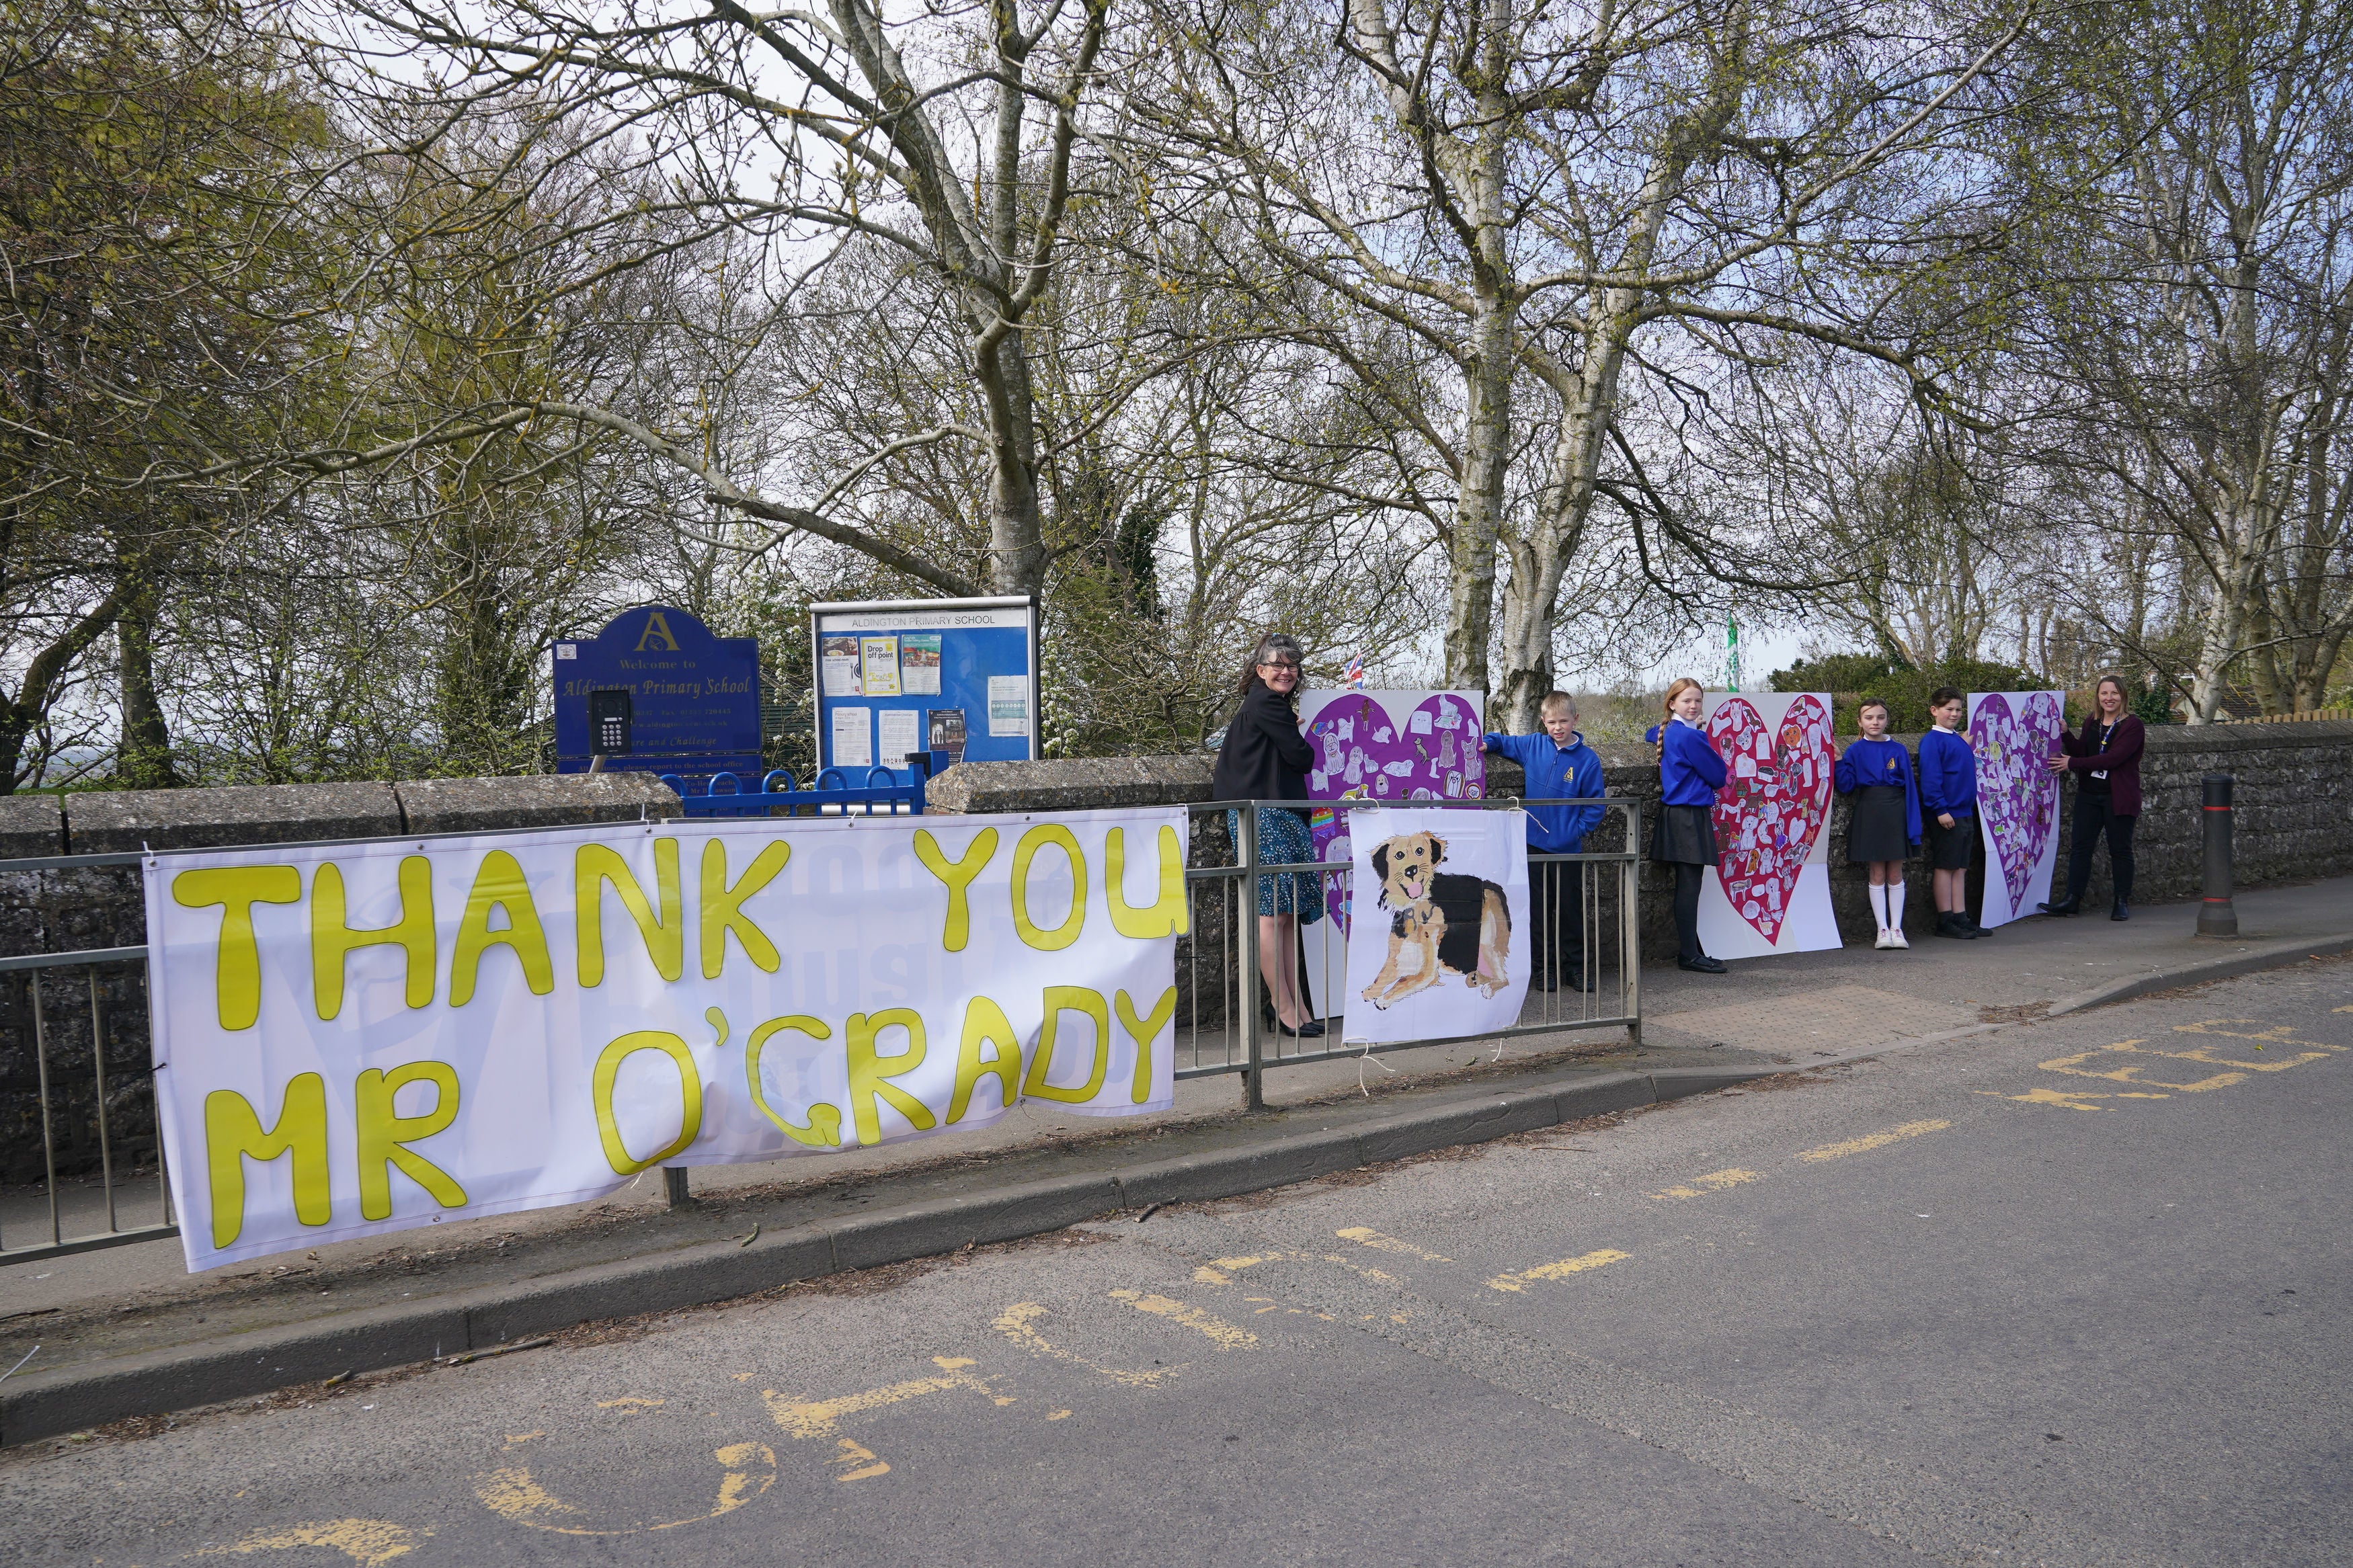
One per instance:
(1354,676)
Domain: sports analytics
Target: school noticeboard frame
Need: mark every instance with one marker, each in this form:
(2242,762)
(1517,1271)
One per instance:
(694,698)
(954,676)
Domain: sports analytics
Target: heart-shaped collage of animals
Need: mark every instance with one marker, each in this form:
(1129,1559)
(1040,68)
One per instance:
(2019,795)
(1362,752)
(1772,805)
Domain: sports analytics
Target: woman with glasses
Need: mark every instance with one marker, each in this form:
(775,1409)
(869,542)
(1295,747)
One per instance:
(2104,757)
(1265,758)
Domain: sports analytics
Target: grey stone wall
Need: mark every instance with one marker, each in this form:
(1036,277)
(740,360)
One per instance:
(2294,823)
(73,910)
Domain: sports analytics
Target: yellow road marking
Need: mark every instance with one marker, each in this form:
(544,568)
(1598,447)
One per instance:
(2130,1071)
(1714,1182)
(1016,1324)
(1560,1270)
(735,1487)
(2275,1035)
(815,1417)
(855,1453)
(1367,1236)
(517,1440)
(1059,1415)
(516,1496)
(1874,1140)
(369,1543)
(1224,1335)
(2072,1099)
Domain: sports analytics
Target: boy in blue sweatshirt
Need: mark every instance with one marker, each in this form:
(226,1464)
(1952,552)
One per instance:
(1948,800)
(1560,766)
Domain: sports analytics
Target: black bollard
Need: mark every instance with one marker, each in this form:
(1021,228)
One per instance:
(2218,916)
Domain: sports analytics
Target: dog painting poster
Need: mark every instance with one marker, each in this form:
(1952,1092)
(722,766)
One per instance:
(1381,746)
(1440,944)
(1769,890)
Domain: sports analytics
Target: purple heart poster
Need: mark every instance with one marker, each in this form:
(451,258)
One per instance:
(2018,797)
(1390,747)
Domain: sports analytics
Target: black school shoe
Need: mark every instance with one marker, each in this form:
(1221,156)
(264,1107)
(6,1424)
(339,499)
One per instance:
(2120,913)
(2064,907)
(1950,924)
(1701,965)
(1543,983)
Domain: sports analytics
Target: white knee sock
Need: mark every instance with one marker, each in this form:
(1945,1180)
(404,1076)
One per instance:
(1879,904)
(1894,906)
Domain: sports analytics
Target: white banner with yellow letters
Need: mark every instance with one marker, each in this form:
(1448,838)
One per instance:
(365,1038)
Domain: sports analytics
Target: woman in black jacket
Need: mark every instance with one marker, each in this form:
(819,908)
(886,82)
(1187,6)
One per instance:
(1263,758)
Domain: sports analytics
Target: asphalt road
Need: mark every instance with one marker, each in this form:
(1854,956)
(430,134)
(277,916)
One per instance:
(2071,1293)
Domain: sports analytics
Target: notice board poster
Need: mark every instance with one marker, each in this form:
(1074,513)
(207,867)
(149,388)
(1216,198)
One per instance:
(957,675)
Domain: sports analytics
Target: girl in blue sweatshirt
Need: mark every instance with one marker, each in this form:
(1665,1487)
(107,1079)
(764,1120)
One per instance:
(1884,830)
(1949,805)
(1690,772)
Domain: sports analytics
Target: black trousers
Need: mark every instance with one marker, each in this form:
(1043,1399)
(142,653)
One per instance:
(1555,918)
(2095,816)
(1689,880)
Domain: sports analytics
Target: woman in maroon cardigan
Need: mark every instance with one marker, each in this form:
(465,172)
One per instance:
(2106,759)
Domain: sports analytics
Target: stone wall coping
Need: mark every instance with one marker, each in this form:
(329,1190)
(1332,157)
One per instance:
(122,822)
(31,824)
(539,800)
(1072,784)
(113,822)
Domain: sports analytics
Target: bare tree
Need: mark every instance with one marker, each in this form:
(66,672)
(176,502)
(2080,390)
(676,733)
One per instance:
(2206,315)
(1580,195)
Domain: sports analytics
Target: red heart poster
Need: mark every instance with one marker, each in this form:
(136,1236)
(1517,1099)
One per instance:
(1770,889)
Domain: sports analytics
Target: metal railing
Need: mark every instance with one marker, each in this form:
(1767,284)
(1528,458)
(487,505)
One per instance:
(1222,1014)
(881,794)
(79,1099)
(1590,898)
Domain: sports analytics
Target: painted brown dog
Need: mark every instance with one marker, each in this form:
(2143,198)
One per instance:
(1440,923)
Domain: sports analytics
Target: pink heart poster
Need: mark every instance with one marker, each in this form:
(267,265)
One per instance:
(2018,797)
(1770,891)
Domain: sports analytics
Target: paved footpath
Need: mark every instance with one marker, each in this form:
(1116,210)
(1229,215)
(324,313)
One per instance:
(2074,1291)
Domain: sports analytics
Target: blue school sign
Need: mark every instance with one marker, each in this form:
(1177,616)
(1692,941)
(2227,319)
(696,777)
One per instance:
(693,698)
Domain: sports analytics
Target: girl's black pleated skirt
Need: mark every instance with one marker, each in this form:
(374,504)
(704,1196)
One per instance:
(1683,836)
(1877,830)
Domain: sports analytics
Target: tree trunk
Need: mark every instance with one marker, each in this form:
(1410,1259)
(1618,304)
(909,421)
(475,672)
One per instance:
(144,758)
(1479,504)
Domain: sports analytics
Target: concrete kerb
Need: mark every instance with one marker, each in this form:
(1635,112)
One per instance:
(36,1405)
(2269,955)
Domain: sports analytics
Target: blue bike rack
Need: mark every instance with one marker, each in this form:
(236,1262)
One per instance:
(831,795)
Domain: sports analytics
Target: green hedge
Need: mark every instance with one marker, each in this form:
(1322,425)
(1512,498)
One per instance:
(1851,676)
